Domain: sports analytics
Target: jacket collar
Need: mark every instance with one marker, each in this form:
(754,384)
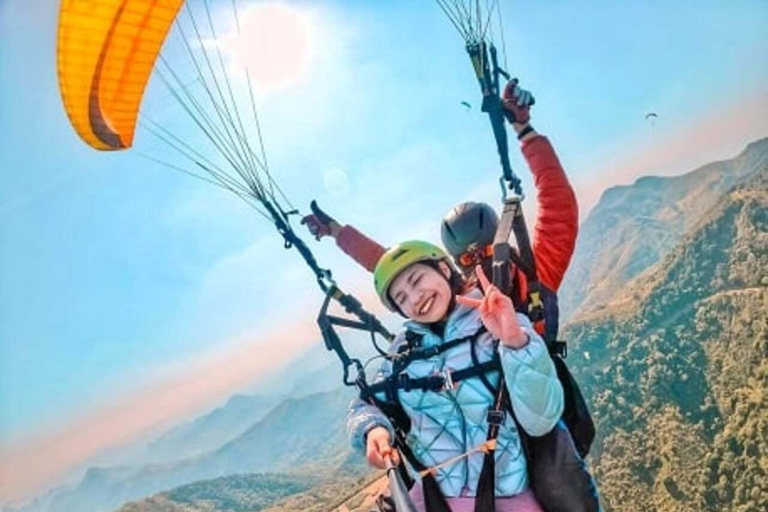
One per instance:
(462,321)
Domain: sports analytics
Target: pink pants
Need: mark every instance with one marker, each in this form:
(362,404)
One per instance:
(523,502)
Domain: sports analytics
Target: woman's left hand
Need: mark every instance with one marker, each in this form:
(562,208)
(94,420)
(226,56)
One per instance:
(497,313)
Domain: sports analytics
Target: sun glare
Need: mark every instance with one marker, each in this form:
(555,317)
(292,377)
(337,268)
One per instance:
(274,44)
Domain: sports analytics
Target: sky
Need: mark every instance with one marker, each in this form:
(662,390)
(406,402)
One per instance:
(123,284)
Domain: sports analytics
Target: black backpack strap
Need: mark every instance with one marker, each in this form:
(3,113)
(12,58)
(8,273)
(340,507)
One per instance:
(485,499)
(576,414)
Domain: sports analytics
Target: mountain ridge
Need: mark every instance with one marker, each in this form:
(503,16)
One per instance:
(634,226)
(304,424)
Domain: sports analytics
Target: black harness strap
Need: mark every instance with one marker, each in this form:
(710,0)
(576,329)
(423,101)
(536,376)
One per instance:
(502,251)
(438,382)
(412,351)
(513,221)
(488,73)
(365,322)
(485,499)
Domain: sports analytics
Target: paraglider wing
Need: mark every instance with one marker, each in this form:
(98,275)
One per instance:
(106,51)
(651,115)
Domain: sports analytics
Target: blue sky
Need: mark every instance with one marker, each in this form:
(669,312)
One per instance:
(113,270)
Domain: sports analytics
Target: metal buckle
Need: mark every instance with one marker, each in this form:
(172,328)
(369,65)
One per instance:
(495,417)
(404,381)
(448,384)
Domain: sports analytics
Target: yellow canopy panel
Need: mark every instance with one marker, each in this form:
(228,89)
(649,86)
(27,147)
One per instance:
(106,52)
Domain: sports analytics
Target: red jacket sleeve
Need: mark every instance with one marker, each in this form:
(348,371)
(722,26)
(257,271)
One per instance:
(557,221)
(359,247)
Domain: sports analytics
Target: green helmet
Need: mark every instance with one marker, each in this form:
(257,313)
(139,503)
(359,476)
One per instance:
(396,259)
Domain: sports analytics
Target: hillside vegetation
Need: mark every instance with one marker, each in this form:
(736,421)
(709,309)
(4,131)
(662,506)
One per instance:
(238,493)
(677,370)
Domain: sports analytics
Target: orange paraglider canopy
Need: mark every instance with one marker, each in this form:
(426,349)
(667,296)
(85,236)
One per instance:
(106,52)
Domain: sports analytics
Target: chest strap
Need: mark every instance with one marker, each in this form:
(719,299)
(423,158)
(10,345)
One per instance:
(442,381)
(413,351)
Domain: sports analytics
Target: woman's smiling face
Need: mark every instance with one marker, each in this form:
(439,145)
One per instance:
(422,293)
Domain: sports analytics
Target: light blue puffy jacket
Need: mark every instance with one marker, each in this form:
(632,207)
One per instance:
(449,423)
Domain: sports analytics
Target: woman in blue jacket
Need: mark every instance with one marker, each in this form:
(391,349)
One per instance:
(465,345)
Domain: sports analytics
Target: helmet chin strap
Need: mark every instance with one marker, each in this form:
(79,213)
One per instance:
(454,292)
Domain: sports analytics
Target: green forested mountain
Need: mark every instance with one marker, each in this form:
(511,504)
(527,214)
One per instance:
(268,493)
(677,369)
(237,493)
(634,226)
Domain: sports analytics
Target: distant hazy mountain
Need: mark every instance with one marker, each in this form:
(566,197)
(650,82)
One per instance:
(633,227)
(203,434)
(298,435)
(315,371)
(676,366)
(212,430)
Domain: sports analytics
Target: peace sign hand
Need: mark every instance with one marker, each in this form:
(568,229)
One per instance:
(496,312)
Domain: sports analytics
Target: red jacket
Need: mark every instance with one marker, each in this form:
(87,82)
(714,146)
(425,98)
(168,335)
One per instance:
(554,232)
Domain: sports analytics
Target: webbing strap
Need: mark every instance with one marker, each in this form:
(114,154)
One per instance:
(485,499)
(502,252)
(488,79)
(513,221)
(438,382)
(413,351)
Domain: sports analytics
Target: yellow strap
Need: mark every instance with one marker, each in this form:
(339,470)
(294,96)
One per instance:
(535,301)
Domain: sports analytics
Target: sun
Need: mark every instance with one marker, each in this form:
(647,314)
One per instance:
(273,43)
